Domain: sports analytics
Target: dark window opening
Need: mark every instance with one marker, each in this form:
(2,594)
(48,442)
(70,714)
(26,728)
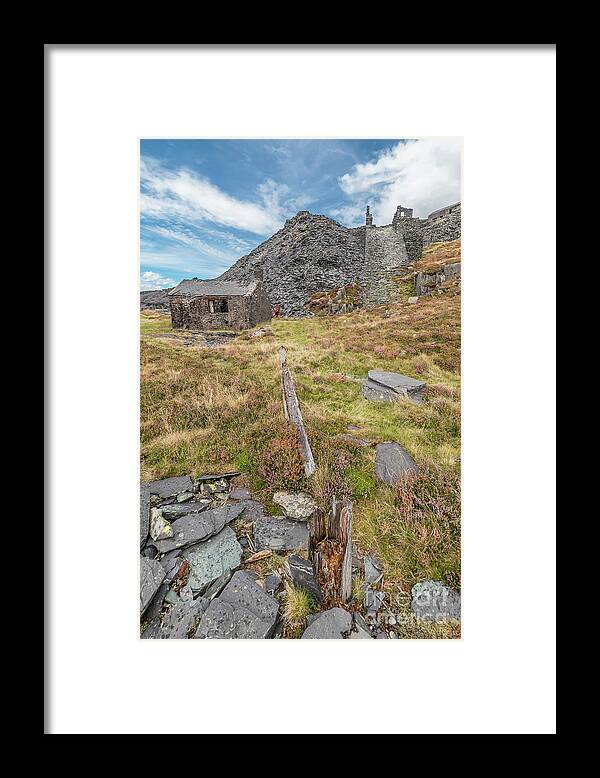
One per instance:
(218,306)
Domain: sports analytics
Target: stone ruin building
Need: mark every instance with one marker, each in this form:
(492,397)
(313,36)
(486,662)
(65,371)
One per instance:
(219,305)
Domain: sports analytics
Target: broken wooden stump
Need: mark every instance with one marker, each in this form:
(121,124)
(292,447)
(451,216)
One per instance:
(291,409)
(330,550)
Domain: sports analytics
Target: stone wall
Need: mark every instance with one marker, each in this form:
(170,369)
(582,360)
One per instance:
(193,313)
(443,228)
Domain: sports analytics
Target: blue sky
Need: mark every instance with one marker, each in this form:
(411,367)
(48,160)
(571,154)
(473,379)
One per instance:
(206,203)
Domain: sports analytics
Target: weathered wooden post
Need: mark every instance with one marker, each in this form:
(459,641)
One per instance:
(291,409)
(330,550)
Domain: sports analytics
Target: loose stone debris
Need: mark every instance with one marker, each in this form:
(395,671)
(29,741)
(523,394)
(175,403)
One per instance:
(391,387)
(219,573)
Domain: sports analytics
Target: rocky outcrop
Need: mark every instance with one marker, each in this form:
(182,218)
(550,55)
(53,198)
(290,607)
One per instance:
(427,283)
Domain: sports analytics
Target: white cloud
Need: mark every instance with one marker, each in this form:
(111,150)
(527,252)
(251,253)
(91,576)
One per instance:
(420,174)
(181,193)
(185,237)
(149,281)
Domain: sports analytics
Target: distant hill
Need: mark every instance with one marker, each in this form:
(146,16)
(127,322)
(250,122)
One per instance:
(156,298)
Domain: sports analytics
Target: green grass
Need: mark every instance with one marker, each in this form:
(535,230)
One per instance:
(205,409)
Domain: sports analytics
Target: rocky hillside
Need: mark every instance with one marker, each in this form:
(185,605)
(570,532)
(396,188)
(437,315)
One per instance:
(309,254)
(155,299)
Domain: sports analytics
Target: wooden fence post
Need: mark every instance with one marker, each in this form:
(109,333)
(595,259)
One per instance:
(291,408)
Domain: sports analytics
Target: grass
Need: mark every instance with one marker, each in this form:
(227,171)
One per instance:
(298,605)
(205,409)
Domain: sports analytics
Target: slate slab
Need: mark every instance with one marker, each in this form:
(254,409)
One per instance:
(253,509)
(372,391)
(144,513)
(373,601)
(280,534)
(180,618)
(197,527)
(434,601)
(332,624)
(167,487)
(272,583)
(211,559)
(177,509)
(151,577)
(302,574)
(243,610)
(392,462)
(240,493)
(384,385)
(156,603)
(373,569)
(299,505)
(216,476)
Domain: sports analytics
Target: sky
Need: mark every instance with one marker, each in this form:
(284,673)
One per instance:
(206,203)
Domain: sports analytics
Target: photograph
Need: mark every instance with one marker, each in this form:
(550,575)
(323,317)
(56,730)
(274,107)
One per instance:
(280,407)
(300,402)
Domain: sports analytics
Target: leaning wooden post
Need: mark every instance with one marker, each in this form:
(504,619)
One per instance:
(291,408)
(330,550)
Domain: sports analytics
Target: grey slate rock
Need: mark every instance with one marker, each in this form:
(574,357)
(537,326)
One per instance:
(151,577)
(152,630)
(240,493)
(392,462)
(243,610)
(155,606)
(387,386)
(215,589)
(194,528)
(167,487)
(181,617)
(373,569)
(331,624)
(253,509)
(144,513)
(211,559)
(373,601)
(372,391)
(302,574)
(216,476)
(280,534)
(434,601)
(298,505)
(177,509)
(185,496)
(272,583)
(167,560)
